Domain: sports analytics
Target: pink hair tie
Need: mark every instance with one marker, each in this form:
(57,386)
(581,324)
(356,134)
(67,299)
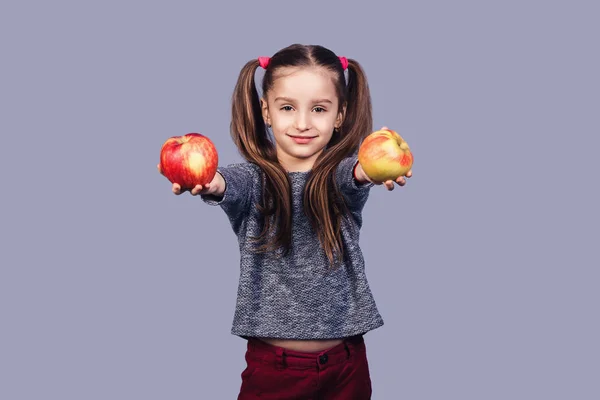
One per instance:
(344,62)
(264,61)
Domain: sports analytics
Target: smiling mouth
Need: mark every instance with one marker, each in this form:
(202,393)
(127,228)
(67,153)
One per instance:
(302,139)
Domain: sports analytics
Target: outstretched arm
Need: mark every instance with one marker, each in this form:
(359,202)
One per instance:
(231,188)
(355,184)
(216,187)
(354,190)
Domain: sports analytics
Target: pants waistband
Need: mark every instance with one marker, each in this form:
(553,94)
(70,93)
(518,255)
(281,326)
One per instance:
(259,351)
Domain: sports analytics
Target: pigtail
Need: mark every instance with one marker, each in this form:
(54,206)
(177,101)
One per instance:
(359,114)
(324,203)
(246,119)
(249,133)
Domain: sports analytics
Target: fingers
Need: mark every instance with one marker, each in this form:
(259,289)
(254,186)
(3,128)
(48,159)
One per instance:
(176,189)
(402,179)
(198,189)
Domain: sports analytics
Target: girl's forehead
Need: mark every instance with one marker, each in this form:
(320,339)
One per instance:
(305,79)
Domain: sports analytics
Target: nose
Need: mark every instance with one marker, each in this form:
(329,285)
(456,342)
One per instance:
(302,121)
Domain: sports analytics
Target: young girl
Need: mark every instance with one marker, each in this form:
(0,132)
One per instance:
(304,302)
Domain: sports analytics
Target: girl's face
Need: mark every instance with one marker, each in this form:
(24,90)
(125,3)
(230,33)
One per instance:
(302,109)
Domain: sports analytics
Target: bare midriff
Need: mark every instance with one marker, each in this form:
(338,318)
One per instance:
(307,346)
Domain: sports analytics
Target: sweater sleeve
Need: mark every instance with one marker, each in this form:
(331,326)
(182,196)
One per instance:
(240,181)
(355,193)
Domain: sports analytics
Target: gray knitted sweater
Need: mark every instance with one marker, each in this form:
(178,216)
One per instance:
(298,296)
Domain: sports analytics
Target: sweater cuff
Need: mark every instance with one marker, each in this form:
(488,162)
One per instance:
(346,177)
(232,189)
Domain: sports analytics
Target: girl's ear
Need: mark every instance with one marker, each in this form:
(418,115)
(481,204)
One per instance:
(340,117)
(265,111)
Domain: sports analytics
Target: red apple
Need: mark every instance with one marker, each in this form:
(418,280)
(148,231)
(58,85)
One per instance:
(189,160)
(385,155)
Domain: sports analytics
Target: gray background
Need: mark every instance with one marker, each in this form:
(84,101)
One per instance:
(111,287)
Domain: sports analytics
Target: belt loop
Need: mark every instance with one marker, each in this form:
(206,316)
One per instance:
(279,362)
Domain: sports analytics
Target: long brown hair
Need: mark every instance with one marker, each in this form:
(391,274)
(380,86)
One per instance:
(323,203)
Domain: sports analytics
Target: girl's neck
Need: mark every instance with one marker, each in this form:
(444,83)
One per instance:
(297,165)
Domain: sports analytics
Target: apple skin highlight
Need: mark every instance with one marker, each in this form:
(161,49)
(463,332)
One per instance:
(384,155)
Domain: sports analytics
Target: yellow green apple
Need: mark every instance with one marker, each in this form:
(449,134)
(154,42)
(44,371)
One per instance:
(384,155)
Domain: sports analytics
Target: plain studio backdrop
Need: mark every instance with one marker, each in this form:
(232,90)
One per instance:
(483,265)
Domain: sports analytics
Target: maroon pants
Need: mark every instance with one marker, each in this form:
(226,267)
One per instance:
(341,372)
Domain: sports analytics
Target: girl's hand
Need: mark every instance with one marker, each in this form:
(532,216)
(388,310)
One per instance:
(389,185)
(213,187)
(401,181)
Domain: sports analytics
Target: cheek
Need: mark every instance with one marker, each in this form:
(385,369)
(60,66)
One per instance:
(281,122)
(325,123)
(326,135)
